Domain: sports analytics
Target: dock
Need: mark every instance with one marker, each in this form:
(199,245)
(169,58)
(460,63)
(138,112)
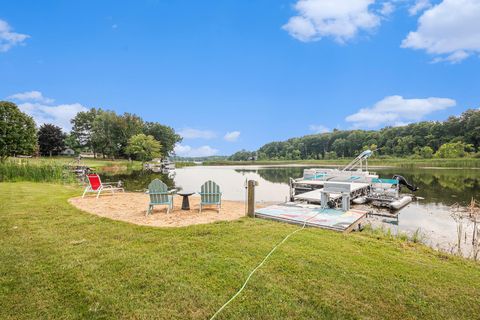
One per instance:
(313,216)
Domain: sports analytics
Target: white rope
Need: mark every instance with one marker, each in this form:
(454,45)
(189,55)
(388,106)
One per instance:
(261,264)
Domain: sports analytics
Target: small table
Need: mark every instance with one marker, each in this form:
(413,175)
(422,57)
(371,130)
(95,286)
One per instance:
(185,202)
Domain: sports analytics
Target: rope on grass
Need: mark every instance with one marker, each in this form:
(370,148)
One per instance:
(261,264)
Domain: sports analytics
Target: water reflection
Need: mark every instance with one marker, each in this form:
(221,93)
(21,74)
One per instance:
(442,186)
(138,180)
(278,175)
(232,182)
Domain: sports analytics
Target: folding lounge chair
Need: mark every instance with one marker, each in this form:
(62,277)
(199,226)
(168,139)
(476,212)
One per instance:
(96,185)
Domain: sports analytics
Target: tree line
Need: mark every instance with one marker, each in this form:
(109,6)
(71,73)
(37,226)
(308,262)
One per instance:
(101,132)
(458,136)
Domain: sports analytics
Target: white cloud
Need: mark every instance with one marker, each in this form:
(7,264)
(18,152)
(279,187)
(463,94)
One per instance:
(396,110)
(188,151)
(189,133)
(318,128)
(449,30)
(232,136)
(339,19)
(40,108)
(8,38)
(387,9)
(30,96)
(419,6)
(59,115)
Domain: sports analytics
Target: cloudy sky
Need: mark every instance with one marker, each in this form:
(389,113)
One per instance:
(237,74)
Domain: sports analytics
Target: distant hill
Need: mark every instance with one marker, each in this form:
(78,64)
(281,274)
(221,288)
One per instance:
(454,137)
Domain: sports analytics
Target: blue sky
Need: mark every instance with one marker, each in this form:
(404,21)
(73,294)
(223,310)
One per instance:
(237,74)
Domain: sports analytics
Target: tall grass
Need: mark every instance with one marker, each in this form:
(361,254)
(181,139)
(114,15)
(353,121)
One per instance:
(442,163)
(37,171)
(386,233)
(182,164)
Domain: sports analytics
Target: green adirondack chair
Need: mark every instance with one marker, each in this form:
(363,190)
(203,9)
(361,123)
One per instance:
(159,195)
(210,195)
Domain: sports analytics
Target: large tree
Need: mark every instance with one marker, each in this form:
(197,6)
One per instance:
(17,131)
(129,125)
(164,134)
(107,135)
(51,139)
(82,129)
(143,147)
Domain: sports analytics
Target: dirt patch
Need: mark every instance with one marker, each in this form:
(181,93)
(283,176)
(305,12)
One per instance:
(131,207)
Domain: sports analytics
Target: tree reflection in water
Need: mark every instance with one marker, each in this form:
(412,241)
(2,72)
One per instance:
(442,186)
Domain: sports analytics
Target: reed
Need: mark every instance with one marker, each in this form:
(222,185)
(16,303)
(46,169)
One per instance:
(14,170)
(383,232)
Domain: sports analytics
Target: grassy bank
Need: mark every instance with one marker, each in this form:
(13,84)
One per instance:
(37,171)
(95,163)
(58,262)
(391,162)
(98,164)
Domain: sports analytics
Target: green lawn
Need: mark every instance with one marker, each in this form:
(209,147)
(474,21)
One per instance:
(58,262)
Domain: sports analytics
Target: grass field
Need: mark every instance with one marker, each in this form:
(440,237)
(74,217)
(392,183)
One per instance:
(390,162)
(58,262)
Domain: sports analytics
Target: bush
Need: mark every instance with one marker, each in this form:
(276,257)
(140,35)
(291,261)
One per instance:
(452,150)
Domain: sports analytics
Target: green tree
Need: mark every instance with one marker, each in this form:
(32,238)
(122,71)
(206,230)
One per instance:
(17,131)
(128,125)
(82,129)
(340,147)
(51,139)
(72,143)
(426,152)
(451,150)
(242,155)
(470,120)
(164,134)
(330,155)
(143,147)
(107,135)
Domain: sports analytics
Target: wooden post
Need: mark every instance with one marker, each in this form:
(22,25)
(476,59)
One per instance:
(251,198)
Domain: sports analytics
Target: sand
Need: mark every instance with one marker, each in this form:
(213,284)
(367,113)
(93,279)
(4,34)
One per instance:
(131,207)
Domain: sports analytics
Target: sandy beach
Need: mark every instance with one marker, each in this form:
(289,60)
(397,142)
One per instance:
(131,207)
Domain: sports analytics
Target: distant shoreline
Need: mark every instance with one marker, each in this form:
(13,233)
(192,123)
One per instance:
(460,163)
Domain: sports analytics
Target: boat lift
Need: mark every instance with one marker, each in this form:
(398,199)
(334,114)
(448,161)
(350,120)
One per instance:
(362,186)
(361,159)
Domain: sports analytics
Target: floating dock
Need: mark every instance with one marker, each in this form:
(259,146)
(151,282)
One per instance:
(314,216)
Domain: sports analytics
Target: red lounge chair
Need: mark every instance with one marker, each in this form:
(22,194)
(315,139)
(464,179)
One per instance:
(96,186)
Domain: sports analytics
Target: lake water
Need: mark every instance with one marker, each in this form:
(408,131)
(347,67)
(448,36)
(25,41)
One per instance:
(440,188)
